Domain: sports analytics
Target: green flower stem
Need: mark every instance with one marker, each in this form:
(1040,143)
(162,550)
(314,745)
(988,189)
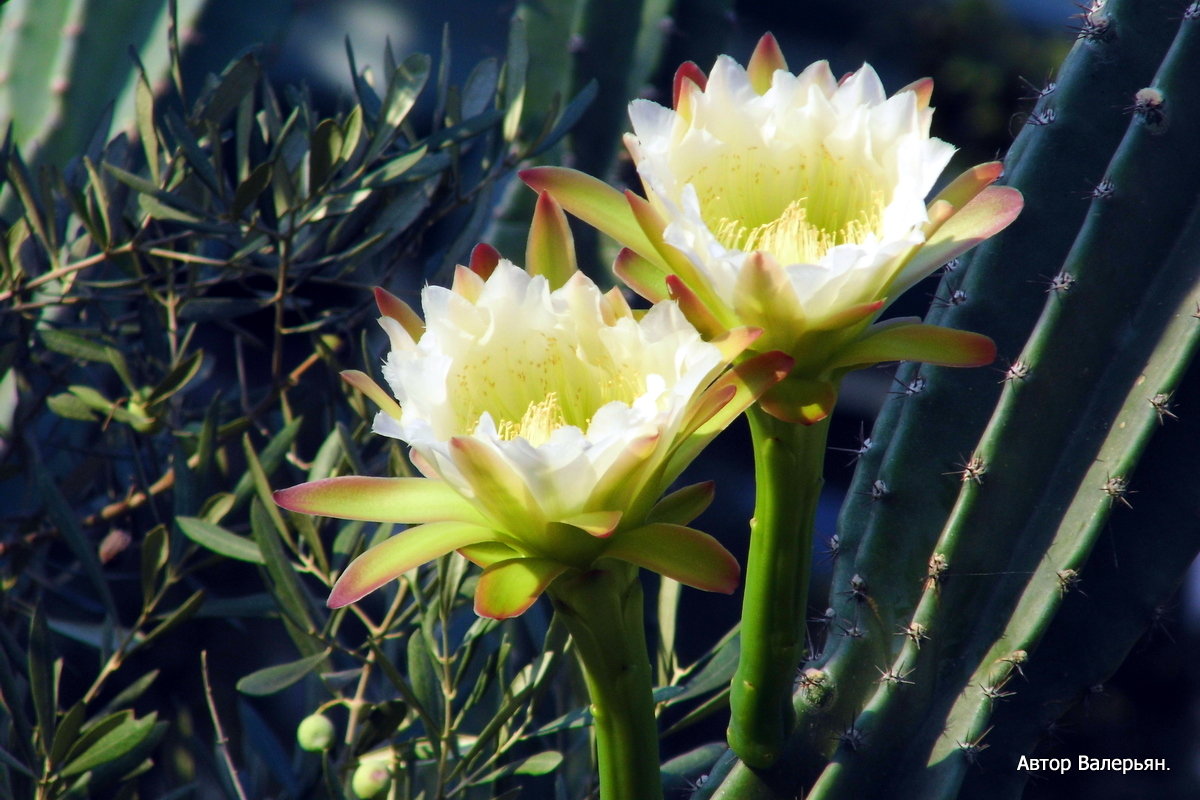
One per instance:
(602,609)
(788,467)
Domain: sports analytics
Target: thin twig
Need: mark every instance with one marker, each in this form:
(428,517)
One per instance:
(222,740)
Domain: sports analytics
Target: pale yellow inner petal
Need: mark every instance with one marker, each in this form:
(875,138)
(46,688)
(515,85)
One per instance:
(537,384)
(796,209)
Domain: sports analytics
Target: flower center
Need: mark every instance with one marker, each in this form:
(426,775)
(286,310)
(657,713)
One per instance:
(796,208)
(791,238)
(538,422)
(531,396)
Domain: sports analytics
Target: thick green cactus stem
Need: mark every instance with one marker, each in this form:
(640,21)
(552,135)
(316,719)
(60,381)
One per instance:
(889,541)
(789,464)
(1129,583)
(1150,365)
(1136,224)
(63,61)
(603,611)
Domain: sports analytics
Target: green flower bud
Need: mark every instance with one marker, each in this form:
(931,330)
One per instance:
(315,733)
(372,777)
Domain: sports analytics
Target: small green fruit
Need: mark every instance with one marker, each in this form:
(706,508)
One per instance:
(315,733)
(372,777)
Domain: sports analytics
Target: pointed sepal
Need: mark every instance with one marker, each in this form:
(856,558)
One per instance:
(363,383)
(494,484)
(801,401)
(764,61)
(923,89)
(394,308)
(985,215)
(484,259)
(593,201)
(687,73)
(404,500)
(683,505)
(508,588)
(902,340)
(550,248)
(600,524)
(693,308)
(681,553)
(397,555)
(641,275)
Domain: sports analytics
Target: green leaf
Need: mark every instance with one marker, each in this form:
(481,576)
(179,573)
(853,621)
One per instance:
(351,133)
(283,584)
(537,764)
(180,375)
(186,610)
(716,673)
(115,743)
(393,169)
(404,86)
(69,406)
(73,345)
(62,515)
(516,63)
(567,120)
(277,678)
(67,733)
(325,149)
(270,459)
(43,683)
(249,190)
(131,693)
(237,81)
(479,91)
(144,104)
(155,554)
(219,540)
(425,682)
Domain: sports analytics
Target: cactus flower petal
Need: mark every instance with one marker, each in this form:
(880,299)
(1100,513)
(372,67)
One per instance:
(687,555)
(395,556)
(508,588)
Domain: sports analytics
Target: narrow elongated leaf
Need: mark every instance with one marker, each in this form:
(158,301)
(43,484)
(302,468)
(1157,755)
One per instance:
(219,540)
(277,678)
(43,683)
(73,345)
(112,745)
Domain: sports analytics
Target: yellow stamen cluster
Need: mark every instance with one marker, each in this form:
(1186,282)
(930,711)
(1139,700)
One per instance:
(537,423)
(791,238)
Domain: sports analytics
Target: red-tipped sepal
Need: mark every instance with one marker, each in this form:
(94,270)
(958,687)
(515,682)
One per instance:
(405,551)
(684,554)
(904,340)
